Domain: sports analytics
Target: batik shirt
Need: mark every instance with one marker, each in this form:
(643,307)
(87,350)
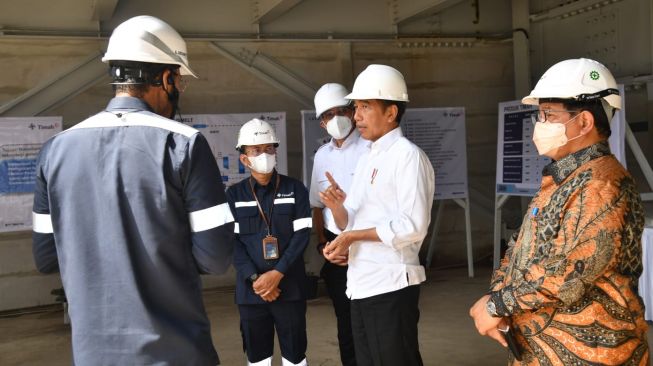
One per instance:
(568,281)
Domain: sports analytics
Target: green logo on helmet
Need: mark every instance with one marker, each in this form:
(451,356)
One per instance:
(594,75)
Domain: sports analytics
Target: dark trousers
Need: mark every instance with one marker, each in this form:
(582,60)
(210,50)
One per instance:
(335,278)
(385,328)
(257,325)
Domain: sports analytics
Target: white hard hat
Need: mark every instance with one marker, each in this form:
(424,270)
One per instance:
(580,79)
(330,95)
(380,82)
(148,39)
(256,132)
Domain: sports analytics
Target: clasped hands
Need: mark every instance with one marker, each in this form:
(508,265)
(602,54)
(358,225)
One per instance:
(267,285)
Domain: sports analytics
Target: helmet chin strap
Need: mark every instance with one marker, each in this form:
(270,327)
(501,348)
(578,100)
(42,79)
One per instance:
(173,98)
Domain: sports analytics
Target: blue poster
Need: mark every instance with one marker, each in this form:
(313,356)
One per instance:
(17,175)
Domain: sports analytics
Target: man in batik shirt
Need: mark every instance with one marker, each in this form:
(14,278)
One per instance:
(567,286)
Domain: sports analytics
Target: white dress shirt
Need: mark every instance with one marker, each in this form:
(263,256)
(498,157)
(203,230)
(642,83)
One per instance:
(392,191)
(341,163)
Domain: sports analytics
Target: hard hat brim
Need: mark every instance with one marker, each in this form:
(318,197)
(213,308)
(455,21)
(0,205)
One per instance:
(613,100)
(366,96)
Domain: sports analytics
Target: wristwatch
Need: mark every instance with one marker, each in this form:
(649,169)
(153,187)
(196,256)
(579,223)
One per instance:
(252,278)
(491,308)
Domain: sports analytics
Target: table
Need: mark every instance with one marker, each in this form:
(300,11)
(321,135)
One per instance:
(646,280)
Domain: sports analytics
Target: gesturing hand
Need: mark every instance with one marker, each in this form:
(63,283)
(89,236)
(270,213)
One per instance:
(333,196)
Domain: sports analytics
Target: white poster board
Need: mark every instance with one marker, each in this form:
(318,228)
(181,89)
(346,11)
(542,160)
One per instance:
(221,132)
(440,132)
(21,139)
(519,166)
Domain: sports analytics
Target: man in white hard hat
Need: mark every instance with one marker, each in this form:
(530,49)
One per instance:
(130,207)
(273,226)
(566,290)
(338,157)
(384,219)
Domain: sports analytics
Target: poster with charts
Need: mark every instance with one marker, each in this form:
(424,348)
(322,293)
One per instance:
(221,132)
(21,139)
(519,166)
(440,132)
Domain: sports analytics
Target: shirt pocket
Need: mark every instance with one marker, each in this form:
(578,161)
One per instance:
(283,219)
(248,220)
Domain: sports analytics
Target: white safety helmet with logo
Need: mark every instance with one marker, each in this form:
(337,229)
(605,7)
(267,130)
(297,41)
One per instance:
(328,96)
(148,39)
(380,82)
(578,79)
(256,132)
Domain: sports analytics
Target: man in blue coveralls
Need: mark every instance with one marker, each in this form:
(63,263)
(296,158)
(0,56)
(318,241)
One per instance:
(129,205)
(273,224)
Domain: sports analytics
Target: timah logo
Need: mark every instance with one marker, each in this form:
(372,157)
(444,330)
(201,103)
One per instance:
(261,133)
(46,127)
(31,126)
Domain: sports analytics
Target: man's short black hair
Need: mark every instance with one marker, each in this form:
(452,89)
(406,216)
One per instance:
(601,120)
(136,77)
(401,107)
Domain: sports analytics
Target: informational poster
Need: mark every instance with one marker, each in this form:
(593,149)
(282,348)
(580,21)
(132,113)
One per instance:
(440,132)
(21,139)
(519,166)
(221,132)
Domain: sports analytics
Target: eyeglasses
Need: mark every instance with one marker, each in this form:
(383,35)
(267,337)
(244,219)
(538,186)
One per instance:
(256,151)
(546,114)
(339,111)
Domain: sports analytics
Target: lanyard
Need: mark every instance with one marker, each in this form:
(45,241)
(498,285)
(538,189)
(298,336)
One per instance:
(268,223)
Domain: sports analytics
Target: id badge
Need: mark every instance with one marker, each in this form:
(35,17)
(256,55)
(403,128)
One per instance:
(270,247)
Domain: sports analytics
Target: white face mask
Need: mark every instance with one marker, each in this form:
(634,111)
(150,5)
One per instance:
(549,136)
(339,127)
(263,163)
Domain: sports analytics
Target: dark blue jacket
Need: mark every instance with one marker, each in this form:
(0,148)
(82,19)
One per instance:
(291,225)
(131,207)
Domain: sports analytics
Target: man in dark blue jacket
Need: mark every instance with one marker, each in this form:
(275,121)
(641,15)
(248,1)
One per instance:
(130,206)
(273,223)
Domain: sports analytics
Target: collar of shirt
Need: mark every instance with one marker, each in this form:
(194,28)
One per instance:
(271,184)
(349,140)
(130,103)
(561,169)
(385,141)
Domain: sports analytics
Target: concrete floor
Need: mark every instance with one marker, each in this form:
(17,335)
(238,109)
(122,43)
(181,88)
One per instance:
(447,334)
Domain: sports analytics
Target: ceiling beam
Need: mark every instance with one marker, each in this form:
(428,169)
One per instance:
(570,9)
(267,69)
(57,90)
(406,11)
(266,11)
